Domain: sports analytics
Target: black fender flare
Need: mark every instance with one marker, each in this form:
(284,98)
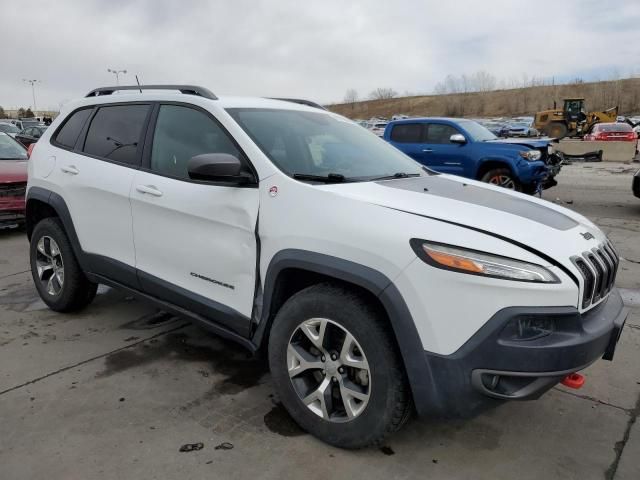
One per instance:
(421,379)
(57,203)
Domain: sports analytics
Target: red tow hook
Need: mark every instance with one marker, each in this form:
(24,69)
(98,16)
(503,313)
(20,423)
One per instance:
(575,380)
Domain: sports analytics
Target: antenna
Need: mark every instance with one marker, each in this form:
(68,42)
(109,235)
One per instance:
(138,82)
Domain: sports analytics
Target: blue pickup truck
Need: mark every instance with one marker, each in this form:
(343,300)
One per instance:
(466,148)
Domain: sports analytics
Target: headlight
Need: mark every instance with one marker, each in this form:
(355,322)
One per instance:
(449,257)
(531,155)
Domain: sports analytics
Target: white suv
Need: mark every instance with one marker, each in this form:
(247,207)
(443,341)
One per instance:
(372,283)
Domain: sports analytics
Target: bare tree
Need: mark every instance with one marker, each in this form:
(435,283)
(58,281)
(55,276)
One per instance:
(440,89)
(485,82)
(351,96)
(383,94)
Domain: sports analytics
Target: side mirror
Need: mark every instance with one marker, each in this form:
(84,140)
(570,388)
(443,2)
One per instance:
(458,138)
(217,167)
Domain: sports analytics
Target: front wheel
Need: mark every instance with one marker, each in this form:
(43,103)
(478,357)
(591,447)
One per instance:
(56,273)
(336,367)
(556,130)
(503,178)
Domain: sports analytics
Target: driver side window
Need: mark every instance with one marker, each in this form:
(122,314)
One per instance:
(181,133)
(439,133)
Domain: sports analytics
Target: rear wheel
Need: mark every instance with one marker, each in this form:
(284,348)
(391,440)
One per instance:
(336,367)
(56,273)
(503,178)
(556,130)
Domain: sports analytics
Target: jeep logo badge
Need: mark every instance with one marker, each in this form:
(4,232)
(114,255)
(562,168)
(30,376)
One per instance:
(587,236)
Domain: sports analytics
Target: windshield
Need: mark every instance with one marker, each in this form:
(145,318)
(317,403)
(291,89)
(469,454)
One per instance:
(10,149)
(477,132)
(8,128)
(319,144)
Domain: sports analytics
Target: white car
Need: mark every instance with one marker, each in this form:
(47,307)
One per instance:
(371,283)
(9,128)
(378,128)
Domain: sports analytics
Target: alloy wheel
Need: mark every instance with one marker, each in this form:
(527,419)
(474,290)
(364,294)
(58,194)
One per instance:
(49,265)
(504,181)
(328,370)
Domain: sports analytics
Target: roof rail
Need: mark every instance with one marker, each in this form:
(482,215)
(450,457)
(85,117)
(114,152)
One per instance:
(300,101)
(186,89)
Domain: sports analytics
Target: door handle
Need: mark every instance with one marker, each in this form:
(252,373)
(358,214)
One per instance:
(70,169)
(427,150)
(150,189)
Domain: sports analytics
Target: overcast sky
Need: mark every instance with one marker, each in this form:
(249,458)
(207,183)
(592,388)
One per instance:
(311,49)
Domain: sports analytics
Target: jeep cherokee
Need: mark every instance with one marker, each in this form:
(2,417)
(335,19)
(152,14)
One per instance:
(372,284)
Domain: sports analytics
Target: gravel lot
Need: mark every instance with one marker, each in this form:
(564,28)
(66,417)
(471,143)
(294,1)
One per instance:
(116,390)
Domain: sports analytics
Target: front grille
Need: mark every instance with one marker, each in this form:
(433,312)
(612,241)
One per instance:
(13,189)
(598,268)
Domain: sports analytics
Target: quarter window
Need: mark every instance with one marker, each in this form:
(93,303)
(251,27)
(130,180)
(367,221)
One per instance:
(182,133)
(407,133)
(115,132)
(70,131)
(440,133)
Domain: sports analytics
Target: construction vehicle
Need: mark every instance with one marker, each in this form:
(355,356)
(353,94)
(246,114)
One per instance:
(572,120)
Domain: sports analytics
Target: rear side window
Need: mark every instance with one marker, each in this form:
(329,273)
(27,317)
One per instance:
(70,131)
(407,133)
(182,133)
(115,133)
(440,133)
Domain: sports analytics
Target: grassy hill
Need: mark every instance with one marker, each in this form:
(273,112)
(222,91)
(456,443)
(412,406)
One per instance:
(514,102)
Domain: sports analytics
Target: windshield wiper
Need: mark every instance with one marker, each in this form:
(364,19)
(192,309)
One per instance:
(329,178)
(397,175)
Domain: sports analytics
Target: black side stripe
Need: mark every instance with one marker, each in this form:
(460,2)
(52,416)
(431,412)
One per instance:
(500,237)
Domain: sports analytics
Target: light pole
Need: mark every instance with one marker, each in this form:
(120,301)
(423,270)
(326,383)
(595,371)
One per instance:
(116,73)
(33,90)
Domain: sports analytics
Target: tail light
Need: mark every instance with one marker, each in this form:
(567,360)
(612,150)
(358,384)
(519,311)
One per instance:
(30,150)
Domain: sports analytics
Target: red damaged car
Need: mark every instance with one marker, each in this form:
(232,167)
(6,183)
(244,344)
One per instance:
(13,181)
(612,132)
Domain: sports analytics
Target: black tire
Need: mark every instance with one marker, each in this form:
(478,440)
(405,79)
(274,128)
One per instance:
(556,130)
(389,404)
(503,178)
(76,291)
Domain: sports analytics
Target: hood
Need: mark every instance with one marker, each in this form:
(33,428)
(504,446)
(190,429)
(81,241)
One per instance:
(13,171)
(527,142)
(527,221)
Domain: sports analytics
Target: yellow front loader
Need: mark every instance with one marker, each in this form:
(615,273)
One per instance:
(572,120)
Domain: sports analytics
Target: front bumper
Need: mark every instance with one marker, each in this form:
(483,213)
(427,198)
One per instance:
(530,173)
(490,366)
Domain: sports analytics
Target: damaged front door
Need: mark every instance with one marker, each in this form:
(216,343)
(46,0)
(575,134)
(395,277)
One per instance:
(195,241)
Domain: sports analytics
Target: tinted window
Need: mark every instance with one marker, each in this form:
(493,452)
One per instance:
(70,131)
(407,133)
(182,133)
(440,133)
(115,132)
(613,127)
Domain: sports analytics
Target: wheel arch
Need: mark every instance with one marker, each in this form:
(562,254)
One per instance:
(292,270)
(492,163)
(43,203)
